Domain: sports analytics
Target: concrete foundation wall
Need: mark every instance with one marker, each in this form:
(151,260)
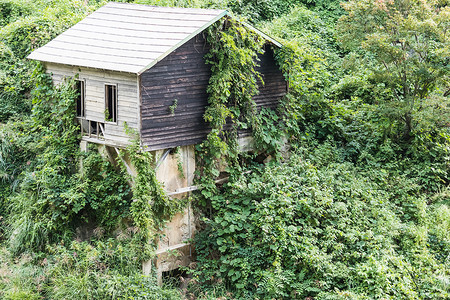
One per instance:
(175,172)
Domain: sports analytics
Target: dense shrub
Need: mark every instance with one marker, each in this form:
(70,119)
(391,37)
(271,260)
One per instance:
(307,228)
(11,10)
(28,27)
(54,194)
(108,269)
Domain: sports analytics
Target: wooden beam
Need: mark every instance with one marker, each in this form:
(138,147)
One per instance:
(183,190)
(195,187)
(129,170)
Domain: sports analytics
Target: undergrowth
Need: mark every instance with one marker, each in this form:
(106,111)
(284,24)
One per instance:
(355,212)
(100,269)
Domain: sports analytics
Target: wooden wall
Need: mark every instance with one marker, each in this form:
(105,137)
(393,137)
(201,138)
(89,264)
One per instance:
(275,85)
(182,76)
(127,98)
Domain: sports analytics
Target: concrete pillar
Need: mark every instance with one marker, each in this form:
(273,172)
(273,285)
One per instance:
(174,249)
(84,146)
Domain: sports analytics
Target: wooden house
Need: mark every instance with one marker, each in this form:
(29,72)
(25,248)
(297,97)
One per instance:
(144,66)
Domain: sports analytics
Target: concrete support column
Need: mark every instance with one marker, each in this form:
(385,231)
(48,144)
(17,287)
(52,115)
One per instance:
(175,172)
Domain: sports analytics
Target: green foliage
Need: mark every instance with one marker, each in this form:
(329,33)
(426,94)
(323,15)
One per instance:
(11,10)
(301,230)
(304,26)
(151,207)
(179,162)
(28,27)
(232,56)
(309,61)
(182,3)
(103,269)
(354,213)
(53,195)
(261,11)
(173,107)
(233,83)
(257,11)
(409,42)
(267,10)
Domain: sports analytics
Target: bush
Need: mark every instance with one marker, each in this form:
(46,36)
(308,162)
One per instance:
(11,10)
(28,27)
(302,230)
(108,269)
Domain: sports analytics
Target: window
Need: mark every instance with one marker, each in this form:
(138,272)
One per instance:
(80,86)
(111,102)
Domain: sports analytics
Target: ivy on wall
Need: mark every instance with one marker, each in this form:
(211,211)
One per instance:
(55,195)
(234,81)
(150,207)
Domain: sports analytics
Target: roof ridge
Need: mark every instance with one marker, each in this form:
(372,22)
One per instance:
(112,4)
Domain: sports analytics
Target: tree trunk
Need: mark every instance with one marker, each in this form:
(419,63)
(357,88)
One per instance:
(408,127)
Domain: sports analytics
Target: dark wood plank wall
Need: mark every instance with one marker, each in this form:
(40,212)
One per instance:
(183,76)
(275,85)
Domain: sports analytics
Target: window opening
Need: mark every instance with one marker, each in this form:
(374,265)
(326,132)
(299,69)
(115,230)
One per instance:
(92,129)
(80,86)
(111,103)
(176,277)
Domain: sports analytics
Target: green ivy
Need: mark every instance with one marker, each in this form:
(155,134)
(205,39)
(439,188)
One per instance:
(54,194)
(150,207)
(233,57)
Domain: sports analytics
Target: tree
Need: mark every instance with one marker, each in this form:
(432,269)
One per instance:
(409,40)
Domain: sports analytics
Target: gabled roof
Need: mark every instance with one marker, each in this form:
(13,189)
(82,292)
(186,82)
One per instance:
(128,37)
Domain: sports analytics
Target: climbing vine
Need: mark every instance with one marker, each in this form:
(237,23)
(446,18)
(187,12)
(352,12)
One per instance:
(177,154)
(150,206)
(233,57)
(52,194)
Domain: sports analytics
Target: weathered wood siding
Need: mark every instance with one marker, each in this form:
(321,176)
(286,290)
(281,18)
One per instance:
(275,86)
(183,77)
(127,98)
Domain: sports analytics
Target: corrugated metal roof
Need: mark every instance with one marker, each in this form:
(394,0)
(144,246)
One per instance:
(128,37)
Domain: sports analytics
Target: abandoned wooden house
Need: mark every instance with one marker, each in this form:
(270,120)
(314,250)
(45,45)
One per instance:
(144,66)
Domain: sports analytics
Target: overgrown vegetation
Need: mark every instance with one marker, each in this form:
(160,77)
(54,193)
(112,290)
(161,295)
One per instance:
(55,198)
(233,83)
(358,210)
(353,213)
(150,207)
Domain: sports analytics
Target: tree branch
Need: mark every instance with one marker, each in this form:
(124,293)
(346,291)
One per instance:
(447,93)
